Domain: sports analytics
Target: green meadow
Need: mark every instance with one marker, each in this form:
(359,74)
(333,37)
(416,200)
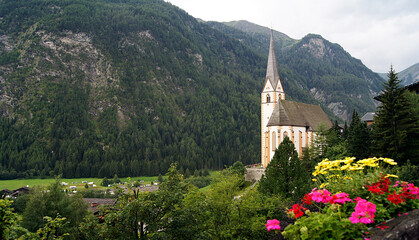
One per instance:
(17,183)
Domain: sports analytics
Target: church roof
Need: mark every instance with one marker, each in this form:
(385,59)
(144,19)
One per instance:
(272,74)
(289,113)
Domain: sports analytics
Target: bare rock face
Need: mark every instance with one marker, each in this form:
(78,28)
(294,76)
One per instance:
(405,227)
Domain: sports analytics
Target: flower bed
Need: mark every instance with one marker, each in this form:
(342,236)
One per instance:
(352,197)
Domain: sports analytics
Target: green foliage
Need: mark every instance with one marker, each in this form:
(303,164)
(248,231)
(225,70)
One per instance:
(199,182)
(285,174)
(9,224)
(409,172)
(395,128)
(50,231)
(359,140)
(324,226)
(238,168)
(53,202)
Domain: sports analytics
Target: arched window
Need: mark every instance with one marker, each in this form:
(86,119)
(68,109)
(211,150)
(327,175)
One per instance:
(285,134)
(273,141)
(268,98)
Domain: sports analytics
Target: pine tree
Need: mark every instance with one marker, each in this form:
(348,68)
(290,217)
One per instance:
(285,174)
(395,131)
(359,140)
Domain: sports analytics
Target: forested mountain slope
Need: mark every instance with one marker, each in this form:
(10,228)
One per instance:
(313,69)
(98,87)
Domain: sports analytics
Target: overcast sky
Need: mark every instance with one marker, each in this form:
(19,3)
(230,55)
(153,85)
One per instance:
(378,32)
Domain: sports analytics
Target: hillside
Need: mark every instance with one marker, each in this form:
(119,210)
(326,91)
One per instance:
(96,87)
(315,70)
(93,88)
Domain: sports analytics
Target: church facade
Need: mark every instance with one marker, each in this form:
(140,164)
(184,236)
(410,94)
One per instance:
(281,118)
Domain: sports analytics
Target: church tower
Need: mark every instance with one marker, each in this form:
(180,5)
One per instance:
(272,92)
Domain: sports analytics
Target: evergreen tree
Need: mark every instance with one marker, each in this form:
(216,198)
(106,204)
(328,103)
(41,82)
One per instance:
(395,131)
(285,174)
(359,140)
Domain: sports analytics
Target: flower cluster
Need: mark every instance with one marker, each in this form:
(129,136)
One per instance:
(324,196)
(409,190)
(320,196)
(296,211)
(273,225)
(340,198)
(360,194)
(326,166)
(379,187)
(364,212)
(307,199)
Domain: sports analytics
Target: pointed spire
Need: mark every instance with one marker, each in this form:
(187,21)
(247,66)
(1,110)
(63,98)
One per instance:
(272,69)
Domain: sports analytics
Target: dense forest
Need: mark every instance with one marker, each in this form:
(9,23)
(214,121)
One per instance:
(94,88)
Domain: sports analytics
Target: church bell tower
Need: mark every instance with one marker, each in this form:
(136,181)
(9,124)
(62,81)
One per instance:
(272,92)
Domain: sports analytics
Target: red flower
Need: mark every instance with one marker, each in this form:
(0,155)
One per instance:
(395,198)
(380,187)
(297,210)
(307,199)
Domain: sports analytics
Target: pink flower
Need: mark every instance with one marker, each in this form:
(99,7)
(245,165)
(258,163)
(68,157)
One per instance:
(273,224)
(340,198)
(321,195)
(364,212)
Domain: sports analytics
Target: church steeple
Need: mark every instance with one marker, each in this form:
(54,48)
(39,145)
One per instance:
(272,69)
(272,74)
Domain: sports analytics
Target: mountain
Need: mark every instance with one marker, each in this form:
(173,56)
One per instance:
(313,69)
(408,76)
(104,87)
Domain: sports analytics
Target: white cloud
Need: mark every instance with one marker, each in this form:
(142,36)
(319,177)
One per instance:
(379,32)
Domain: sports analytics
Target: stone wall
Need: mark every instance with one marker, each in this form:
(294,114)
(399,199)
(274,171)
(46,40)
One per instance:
(254,174)
(405,227)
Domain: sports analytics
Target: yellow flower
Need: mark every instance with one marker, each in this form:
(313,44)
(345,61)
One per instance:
(314,180)
(344,167)
(389,161)
(391,175)
(355,168)
(324,185)
(348,160)
(370,162)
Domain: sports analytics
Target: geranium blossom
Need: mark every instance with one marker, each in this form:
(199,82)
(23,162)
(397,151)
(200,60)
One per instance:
(380,187)
(297,210)
(321,195)
(395,198)
(364,212)
(273,225)
(340,198)
(307,199)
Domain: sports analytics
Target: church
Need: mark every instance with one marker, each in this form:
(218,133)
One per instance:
(281,118)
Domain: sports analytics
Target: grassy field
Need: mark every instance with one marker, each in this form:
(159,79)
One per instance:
(17,183)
